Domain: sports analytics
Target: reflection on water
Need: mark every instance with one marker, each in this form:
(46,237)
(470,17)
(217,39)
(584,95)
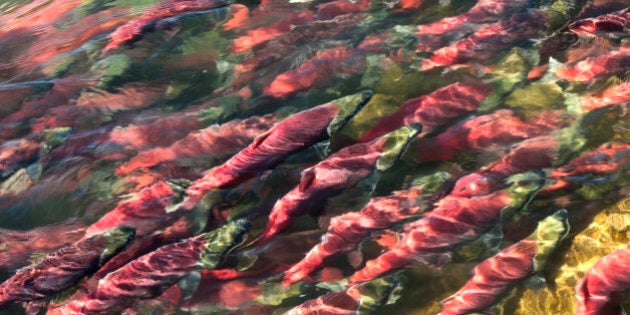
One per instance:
(313,156)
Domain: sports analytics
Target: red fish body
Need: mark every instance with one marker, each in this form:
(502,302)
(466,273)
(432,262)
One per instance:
(451,222)
(615,22)
(341,170)
(493,277)
(16,152)
(144,211)
(608,159)
(438,34)
(258,36)
(535,153)
(280,47)
(601,289)
(273,146)
(216,140)
(594,68)
(19,246)
(347,230)
(58,95)
(329,10)
(432,110)
(616,95)
(344,302)
(324,64)
(63,268)
(501,127)
(133,30)
(454,220)
(151,274)
(482,45)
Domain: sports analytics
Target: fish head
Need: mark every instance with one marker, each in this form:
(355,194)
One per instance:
(525,183)
(523,188)
(348,106)
(117,238)
(55,137)
(548,234)
(396,143)
(222,240)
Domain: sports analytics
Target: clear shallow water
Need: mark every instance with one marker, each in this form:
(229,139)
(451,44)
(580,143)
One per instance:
(112,108)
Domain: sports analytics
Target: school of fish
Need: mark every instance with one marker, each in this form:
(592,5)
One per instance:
(309,156)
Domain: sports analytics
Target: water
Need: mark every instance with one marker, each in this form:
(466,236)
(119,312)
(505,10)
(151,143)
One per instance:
(112,112)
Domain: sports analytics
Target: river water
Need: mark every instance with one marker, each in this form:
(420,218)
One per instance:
(455,128)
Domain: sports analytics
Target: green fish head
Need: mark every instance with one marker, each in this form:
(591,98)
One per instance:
(523,188)
(55,137)
(548,234)
(396,144)
(117,238)
(349,106)
(222,240)
(524,185)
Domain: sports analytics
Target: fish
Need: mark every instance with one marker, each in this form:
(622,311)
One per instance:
(341,170)
(239,15)
(432,110)
(63,268)
(535,153)
(329,10)
(484,44)
(436,35)
(154,208)
(602,162)
(216,140)
(178,227)
(358,299)
(615,22)
(594,68)
(276,50)
(149,275)
(347,230)
(327,62)
(19,246)
(616,95)
(144,211)
(60,91)
(273,146)
(493,277)
(19,153)
(600,290)
(265,33)
(133,30)
(186,137)
(453,221)
(501,127)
